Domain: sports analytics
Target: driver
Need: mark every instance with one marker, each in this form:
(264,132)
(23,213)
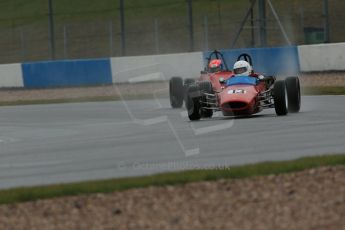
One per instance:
(243,68)
(215,66)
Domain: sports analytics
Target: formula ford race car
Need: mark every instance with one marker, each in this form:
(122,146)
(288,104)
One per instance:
(240,95)
(178,87)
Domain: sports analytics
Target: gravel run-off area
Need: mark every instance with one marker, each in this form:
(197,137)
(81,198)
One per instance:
(311,199)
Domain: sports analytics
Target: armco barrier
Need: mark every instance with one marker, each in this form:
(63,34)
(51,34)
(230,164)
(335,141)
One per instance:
(11,76)
(281,60)
(270,61)
(67,73)
(322,57)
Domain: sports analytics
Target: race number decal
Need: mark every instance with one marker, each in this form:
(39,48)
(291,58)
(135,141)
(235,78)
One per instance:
(236,91)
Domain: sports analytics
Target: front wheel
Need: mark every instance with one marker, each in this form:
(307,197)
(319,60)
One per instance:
(293,94)
(187,82)
(206,87)
(279,96)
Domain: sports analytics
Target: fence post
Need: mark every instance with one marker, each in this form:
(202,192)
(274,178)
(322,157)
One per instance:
(205,33)
(65,41)
(191,25)
(326,21)
(219,7)
(23,45)
(252,27)
(122,22)
(157,46)
(51,29)
(302,32)
(111,46)
(262,22)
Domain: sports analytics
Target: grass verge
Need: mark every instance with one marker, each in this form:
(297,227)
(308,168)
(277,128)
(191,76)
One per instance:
(323,90)
(176,178)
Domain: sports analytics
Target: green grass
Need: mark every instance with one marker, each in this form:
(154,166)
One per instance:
(324,90)
(177,178)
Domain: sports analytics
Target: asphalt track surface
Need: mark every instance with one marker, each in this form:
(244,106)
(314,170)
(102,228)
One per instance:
(60,143)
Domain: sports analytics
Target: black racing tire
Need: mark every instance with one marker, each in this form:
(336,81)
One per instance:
(176,92)
(188,81)
(193,103)
(206,87)
(279,96)
(293,94)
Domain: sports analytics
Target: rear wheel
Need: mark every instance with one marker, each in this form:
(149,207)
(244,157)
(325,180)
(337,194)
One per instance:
(193,103)
(206,87)
(279,96)
(294,94)
(176,92)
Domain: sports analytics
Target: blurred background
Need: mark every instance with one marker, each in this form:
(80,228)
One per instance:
(71,29)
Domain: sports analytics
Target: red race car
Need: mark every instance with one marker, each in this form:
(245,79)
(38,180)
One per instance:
(215,69)
(242,94)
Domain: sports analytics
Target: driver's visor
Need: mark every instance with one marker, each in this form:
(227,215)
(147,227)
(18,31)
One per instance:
(240,70)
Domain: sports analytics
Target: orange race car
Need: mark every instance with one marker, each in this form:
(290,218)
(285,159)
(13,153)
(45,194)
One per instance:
(216,68)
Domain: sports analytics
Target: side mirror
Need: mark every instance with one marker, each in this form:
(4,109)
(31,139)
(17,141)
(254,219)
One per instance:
(221,80)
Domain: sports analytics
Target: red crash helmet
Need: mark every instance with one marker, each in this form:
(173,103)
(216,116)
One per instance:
(215,65)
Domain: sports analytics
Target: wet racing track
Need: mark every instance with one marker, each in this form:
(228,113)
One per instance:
(42,144)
